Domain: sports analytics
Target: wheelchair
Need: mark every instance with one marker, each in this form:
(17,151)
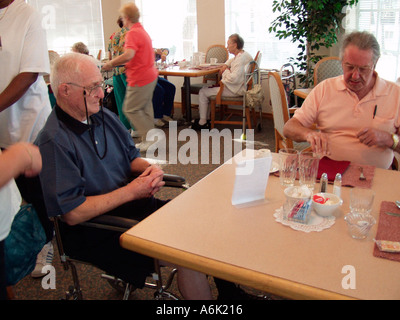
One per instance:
(32,193)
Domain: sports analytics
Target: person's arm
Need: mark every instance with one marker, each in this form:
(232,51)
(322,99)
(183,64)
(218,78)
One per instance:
(375,137)
(120,60)
(144,186)
(225,66)
(20,158)
(16,89)
(295,131)
(234,74)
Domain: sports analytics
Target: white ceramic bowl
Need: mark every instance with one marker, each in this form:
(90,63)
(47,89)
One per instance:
(329,207)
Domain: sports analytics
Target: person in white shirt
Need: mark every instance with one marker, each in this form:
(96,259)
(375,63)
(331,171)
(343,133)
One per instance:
(20,158)
(24,59)
(232,74)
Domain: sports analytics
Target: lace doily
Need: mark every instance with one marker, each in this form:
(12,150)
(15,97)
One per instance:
(315,222)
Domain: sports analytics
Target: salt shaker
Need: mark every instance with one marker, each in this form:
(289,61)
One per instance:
(337,185)
(324,182)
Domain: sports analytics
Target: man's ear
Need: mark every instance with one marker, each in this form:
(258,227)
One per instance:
(63,90)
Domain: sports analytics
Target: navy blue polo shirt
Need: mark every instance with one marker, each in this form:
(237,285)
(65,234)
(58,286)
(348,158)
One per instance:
(72,170)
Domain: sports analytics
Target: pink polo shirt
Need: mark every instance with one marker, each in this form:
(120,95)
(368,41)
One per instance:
(338,112)
(140,70)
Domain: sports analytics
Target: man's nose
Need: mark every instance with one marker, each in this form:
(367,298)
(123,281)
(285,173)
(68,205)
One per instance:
(355,74)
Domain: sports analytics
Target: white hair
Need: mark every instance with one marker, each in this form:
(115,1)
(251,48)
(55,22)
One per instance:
(67,69)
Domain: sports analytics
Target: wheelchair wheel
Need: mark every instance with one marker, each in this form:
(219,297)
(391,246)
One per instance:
(117,284)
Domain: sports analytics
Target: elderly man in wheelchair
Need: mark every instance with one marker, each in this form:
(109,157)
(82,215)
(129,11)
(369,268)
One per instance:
(88,159)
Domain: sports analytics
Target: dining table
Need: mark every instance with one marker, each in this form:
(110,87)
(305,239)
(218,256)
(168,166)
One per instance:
(252,245)
(302,92)
(187,73)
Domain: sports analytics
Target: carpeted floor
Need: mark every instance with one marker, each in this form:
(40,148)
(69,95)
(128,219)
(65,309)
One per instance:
(94,287)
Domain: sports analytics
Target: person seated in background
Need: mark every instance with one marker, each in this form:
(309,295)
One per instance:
(232,73)
(357,114)
(88,160)
(80,47)
(164,94)
(20,158)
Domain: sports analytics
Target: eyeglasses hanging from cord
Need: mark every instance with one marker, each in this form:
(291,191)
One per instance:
(91,132)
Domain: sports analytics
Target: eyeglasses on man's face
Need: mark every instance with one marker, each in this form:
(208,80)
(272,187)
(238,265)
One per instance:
(365,70)
(91,91)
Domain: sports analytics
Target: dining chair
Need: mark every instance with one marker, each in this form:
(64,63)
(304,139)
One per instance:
(217,51)
(229,106)
(288,77)
(53,57)
(327,67)
(99,55)
(281,113)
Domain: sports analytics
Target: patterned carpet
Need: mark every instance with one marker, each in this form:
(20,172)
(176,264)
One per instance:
(92,284)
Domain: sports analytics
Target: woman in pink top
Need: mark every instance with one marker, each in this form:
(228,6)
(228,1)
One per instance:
(141,74)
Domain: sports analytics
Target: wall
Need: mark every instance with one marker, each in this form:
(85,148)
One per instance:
(211,23)
(110,15)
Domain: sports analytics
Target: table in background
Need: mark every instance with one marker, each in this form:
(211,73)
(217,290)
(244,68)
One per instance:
(201,230)
(302,93)
(188,73)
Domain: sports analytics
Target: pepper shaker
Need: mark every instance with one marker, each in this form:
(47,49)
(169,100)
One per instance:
(324,182)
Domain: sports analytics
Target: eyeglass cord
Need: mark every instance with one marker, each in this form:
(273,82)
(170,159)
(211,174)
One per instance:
(91,132)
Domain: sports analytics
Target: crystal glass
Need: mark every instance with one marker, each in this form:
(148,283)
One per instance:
(359,225)
(288,163)
(361,200)
(308,168)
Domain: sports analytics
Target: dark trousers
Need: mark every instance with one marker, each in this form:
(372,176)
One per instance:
(163,98)
(102,249)
(3,284)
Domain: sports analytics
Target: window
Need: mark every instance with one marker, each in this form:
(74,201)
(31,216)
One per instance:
(251,20)
(172,25)
(382,18)
(67,22)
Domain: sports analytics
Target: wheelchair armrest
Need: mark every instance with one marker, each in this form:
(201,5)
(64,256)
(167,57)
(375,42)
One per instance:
(171,180)
(109,222)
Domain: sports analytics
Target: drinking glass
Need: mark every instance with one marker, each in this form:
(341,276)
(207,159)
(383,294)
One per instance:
(288,163)
(308,168)
(361,200)
(359,225)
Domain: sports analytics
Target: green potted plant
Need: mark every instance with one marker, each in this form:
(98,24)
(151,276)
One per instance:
(311,23)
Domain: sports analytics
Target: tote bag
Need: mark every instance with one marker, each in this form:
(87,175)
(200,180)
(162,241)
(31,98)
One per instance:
(21,247)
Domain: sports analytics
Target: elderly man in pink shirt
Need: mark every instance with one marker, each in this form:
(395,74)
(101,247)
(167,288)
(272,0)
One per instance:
(357,114)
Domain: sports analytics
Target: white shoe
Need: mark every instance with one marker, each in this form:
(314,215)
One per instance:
(159,123)
(134,134)
(167,118)
(144,146)
(44,258)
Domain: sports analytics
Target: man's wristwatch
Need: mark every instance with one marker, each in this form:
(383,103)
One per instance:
(395,138)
